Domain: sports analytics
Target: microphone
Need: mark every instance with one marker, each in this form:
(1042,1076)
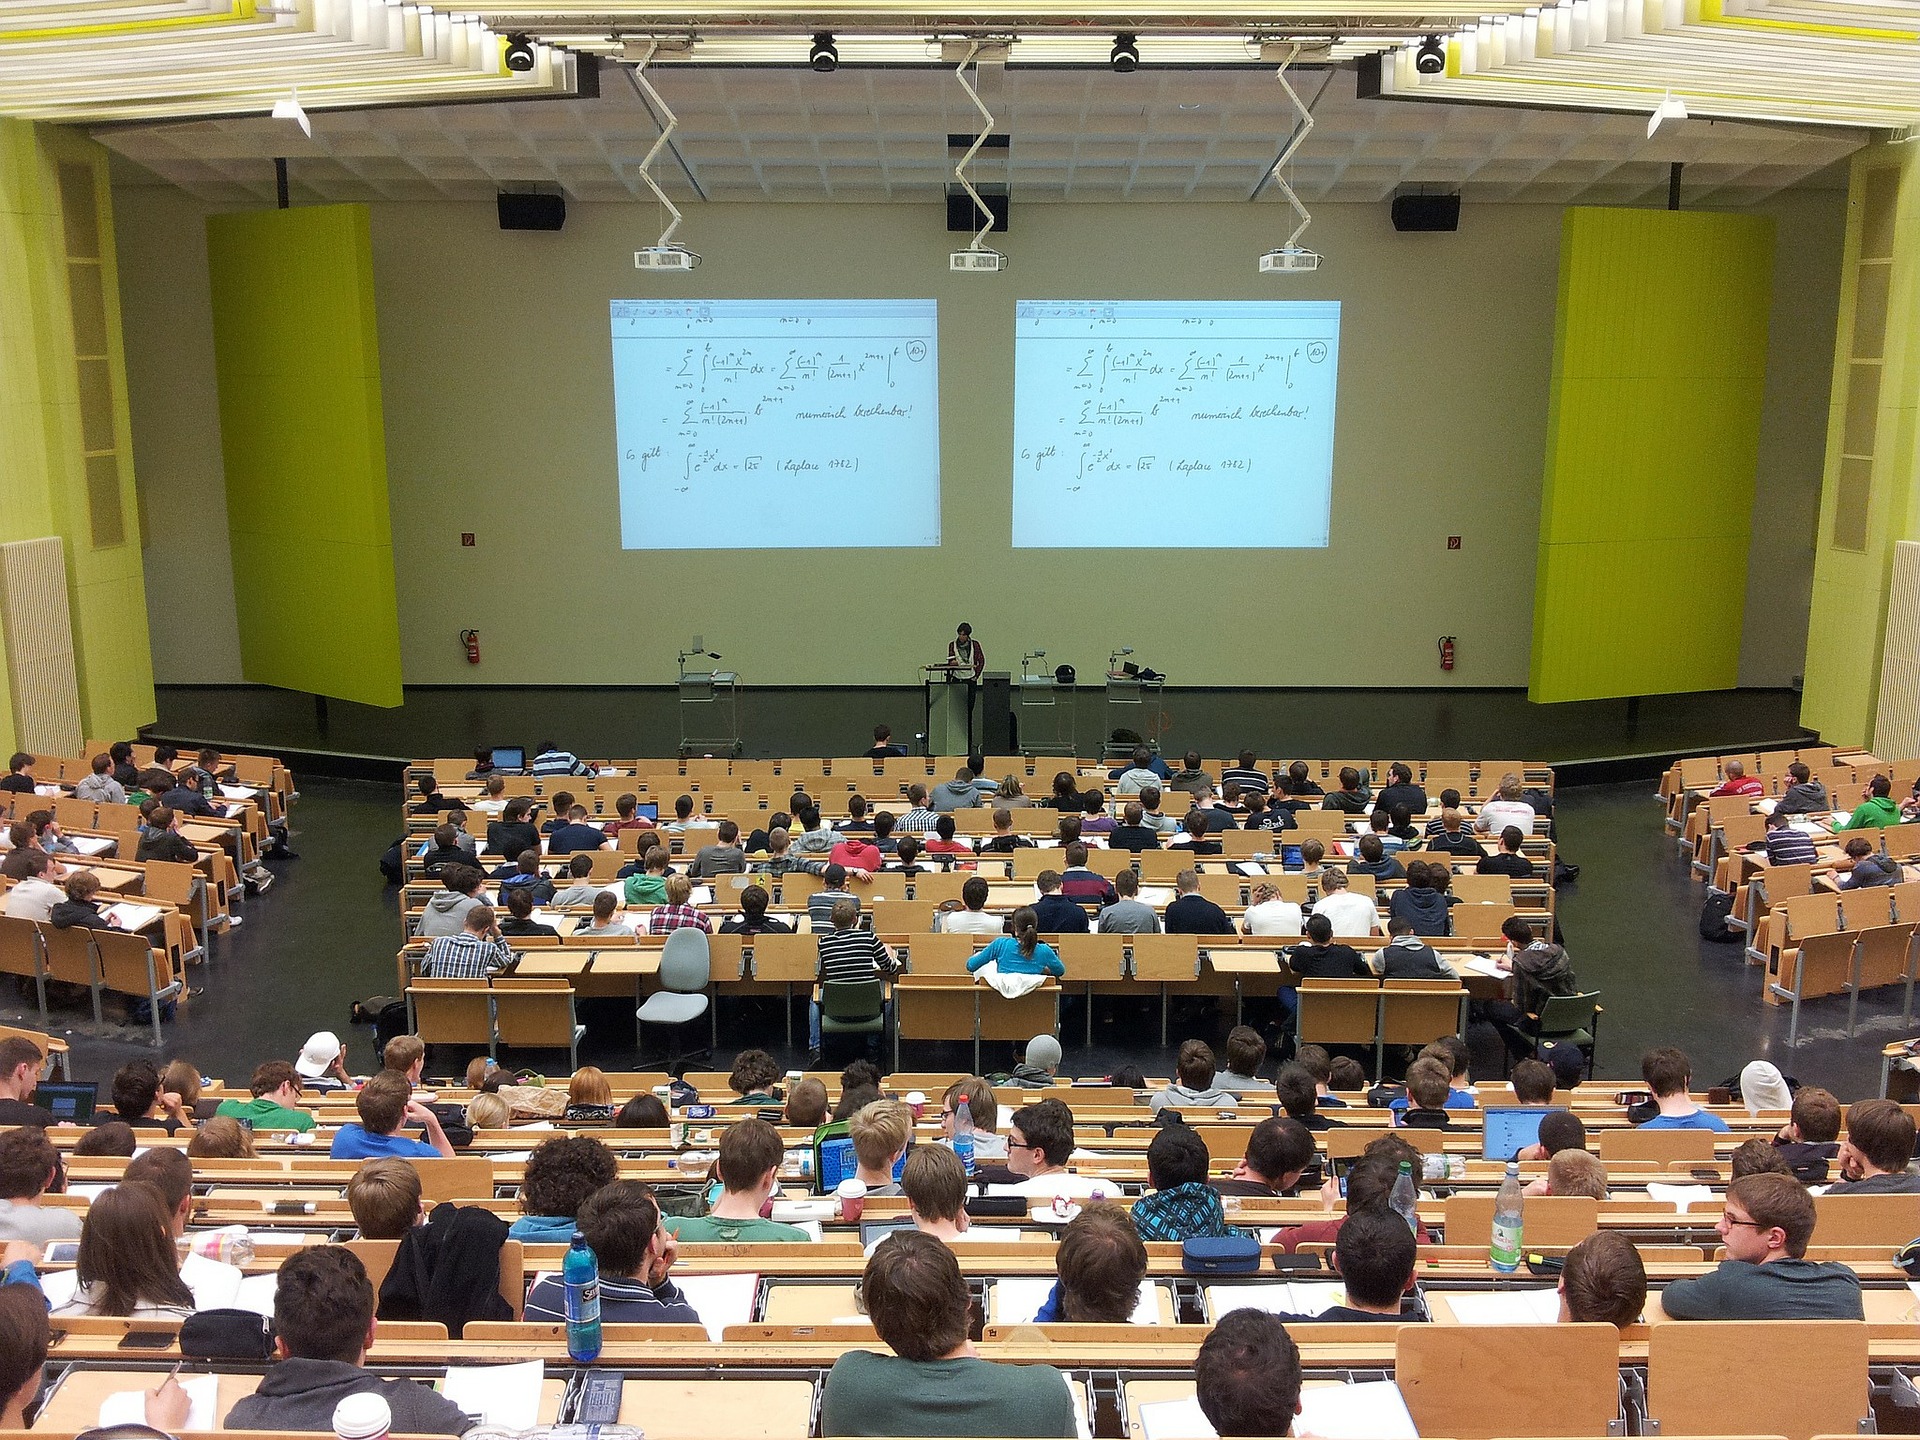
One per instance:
(1039,654)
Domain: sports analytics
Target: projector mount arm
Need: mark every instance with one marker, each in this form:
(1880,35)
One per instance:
(1298,138)
(638,73)
(986,130)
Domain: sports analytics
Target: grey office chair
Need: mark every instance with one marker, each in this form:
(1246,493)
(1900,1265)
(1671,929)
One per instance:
(685,970)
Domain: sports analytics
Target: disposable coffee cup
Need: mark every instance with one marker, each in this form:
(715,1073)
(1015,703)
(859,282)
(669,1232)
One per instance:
(365,1416)
(917,1102)
(794,1076)
(853,1199)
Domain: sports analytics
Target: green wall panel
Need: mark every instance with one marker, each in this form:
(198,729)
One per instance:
(1659,375)
(296,352)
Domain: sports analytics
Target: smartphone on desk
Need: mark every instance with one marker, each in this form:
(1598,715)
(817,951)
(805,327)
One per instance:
(147,1340)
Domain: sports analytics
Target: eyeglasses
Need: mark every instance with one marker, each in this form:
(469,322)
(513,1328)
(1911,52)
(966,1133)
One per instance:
(1750,1224)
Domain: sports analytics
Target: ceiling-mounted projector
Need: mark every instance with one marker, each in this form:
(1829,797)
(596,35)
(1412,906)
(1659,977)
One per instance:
(976,260)
(665,257)
(1289,260)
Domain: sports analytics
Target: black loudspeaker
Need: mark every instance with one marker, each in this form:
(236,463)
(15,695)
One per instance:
(1426,212)
(963,216)
(996,713)
(532,212)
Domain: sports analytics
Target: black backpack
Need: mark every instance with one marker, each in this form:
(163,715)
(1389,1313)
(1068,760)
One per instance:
(1713,917)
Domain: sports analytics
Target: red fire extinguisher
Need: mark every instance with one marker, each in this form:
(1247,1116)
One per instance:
(471,639)
(1446,652)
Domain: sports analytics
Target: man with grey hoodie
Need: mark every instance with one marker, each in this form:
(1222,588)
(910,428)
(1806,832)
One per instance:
(1805,796)
(323,1318)
(464,887)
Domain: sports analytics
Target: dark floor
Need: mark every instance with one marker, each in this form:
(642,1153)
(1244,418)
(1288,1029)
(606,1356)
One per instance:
(611,721)
(327,934)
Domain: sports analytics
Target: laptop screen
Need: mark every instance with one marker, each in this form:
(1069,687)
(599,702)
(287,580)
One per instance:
(68,1101)
(647,810)
(1511,1129)
(509,757)
(838,1162)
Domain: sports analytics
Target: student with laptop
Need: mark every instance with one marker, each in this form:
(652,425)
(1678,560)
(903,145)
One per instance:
(20,1062)
(749,1166)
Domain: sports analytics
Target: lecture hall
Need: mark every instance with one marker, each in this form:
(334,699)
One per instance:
(1029,721)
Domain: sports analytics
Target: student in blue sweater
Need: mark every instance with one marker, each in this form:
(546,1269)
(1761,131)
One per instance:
(1020,953)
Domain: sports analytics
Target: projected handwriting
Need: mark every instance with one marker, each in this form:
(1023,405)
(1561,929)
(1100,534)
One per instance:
(1101,368)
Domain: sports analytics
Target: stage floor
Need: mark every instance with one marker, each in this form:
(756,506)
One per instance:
(1437,724)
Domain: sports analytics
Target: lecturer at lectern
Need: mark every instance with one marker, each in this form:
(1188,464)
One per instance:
(964,655)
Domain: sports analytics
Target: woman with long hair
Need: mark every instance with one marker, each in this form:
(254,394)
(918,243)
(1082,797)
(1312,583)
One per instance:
(1022,952)
(128,1264)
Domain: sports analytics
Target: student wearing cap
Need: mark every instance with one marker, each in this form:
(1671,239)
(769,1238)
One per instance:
(1042,1059)
(322,1062)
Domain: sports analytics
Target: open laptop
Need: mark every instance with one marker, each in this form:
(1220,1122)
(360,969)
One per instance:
(1509,1129)
(68,1100)
(647,810)
(510,757)
(835,1161)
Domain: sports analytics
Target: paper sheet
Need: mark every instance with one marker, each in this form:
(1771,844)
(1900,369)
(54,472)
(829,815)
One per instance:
(1294,1297)
(504,1395)
(1478,965)
(1681,1197)
(133,917)
(91,844)
(237,792)
(1506,1307)
(1175,1420)
(256,1294)
(1371,1410)
(1158,896)
(722,1300)
(129,1407)
(1015,1300)
(59,1286)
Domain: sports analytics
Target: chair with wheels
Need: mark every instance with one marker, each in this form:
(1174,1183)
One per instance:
(686,967)
(854,1007)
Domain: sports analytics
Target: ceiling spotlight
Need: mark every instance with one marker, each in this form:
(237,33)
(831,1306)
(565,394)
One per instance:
(1431,58)
(1125,55)
(519,54)
(825,55)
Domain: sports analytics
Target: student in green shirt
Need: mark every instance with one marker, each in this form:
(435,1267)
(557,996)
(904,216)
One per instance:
(1878,808)
(649,887)
(276,1093)
(750,1155)
(933,1383)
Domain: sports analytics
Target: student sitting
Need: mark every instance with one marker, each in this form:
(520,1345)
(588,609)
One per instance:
(29,1168)
(1509,861)
(323,1320)
(561,1173)
(1245,1053)
(1022,952)
(973,918)
(1427,1090)
(1246,1377)
(1603,1282)
(384,1106)
(933,1384)
(606,924)
(1053,912)
(579,890)
(1874,1157)
(1101,1262)
(1298,1097)
(1420,903)
(623,1227)
(1669,1074)
(1271,915)
(1181,1206)
(1374,860)
(1765,1228)
(1279,1153)
(1407,956)
(1809,1140)
(749,1168)
(127,1263)
(384,1196)
(752,918)
(881,1132)
(1375,1254)
(520,922)
(1193,1083)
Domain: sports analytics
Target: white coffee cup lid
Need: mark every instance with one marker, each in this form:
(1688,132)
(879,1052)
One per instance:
(851,1189)
(916,1097)
(362,1417)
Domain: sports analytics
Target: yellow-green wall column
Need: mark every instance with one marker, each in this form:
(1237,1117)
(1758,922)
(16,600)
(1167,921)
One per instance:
(1653,433)
(304,443)
(66,464)
(1868,495)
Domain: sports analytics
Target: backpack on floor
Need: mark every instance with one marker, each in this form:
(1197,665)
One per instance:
(1713,917)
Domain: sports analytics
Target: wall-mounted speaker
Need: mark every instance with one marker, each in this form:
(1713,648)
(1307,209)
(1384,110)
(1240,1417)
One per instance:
(963,216)
(532,212)
(1426,212)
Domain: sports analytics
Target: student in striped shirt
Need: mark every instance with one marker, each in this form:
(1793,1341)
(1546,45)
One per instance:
(846,953)
(1247,774)
(552,760)
(1786,845)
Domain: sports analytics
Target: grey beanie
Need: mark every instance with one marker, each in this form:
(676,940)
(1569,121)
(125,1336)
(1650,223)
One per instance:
(1043,1052)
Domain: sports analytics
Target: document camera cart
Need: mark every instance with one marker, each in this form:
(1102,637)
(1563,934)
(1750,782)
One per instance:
(709,711)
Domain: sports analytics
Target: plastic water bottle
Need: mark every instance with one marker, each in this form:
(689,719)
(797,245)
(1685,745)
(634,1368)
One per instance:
(1509,1226)
(1404,1197)
(963,1134)
(580,1277)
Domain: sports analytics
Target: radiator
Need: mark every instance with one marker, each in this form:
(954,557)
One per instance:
(38,630)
